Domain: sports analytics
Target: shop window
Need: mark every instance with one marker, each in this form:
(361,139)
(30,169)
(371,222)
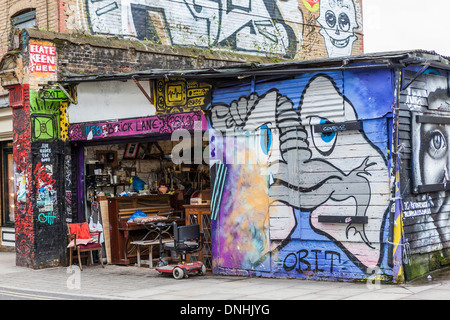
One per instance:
(8,184)
(24,19)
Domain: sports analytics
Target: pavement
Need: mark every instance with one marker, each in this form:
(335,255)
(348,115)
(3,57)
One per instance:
(141,283)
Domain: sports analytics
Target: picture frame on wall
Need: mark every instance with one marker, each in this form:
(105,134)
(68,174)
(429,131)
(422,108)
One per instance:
(131,151)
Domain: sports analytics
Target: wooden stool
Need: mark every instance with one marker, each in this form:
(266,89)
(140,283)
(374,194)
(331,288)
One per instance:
(150,245)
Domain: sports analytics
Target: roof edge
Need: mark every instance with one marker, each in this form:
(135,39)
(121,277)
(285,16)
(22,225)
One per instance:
(393,59)
(104,41)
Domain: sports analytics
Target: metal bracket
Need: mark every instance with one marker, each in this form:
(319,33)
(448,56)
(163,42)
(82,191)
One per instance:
(149,97)
(66,93)
(418,74)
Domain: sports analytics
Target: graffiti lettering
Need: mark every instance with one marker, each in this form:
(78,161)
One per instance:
(255,26)
(157,124)
(42,58)
(47,217)
(414,209)
(299,262)
(95,130)
(45,152)
(41,175)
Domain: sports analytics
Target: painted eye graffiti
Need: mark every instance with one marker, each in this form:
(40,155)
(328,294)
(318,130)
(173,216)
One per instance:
(324,141)
(266,139)
(437,144)
(344,22)
(327,137)
(330,18)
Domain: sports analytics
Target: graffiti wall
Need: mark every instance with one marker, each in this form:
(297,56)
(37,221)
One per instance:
(48,131)
(301,185)
(39,126)
(424,154)
(20,102)
(290,28)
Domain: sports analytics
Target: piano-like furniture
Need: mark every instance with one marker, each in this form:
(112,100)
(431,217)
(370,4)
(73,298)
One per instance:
(123,233)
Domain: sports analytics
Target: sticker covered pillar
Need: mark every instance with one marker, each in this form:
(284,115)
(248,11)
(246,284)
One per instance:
(38,153)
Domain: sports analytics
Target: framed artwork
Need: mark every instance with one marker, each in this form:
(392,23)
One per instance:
(131,151)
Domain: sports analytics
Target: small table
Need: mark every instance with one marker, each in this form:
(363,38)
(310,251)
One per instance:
(150,245)
(161,226)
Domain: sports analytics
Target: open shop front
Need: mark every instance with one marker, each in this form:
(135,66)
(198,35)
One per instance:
(136,176)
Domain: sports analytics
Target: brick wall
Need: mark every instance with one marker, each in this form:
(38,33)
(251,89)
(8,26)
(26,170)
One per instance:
(254,27)
(93,55)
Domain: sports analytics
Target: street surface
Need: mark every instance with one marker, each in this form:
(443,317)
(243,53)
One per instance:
(16,294)
(141,283)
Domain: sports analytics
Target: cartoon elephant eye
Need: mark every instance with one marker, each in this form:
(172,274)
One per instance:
(330,18)
(344,22)
(437,145)
(266,139)
(325,141)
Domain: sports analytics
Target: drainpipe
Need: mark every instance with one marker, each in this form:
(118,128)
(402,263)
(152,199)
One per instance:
(58,21)
(46,9)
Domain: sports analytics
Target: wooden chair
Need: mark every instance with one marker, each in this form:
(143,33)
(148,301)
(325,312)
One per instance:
(83,241)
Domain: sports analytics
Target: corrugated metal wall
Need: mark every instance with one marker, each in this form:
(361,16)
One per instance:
(424,158)
(302,201)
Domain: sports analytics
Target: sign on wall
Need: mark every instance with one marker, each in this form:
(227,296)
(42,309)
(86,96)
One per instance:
(180,95)
(159,124)
(42,57)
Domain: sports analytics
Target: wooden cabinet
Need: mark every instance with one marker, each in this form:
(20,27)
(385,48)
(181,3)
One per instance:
(201,214)
(122,233)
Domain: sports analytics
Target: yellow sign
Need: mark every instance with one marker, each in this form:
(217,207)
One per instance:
(180,95)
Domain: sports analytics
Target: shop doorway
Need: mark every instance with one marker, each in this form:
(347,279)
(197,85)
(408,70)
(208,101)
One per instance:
(117,179)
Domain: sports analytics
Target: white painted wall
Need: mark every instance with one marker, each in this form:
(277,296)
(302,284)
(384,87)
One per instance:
(110,100)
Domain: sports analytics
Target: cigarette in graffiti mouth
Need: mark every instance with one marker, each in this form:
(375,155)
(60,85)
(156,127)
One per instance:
(340,43)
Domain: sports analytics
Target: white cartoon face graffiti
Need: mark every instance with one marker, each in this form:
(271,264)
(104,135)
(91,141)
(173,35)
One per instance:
(339,173)
(307,169)
(338,21)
